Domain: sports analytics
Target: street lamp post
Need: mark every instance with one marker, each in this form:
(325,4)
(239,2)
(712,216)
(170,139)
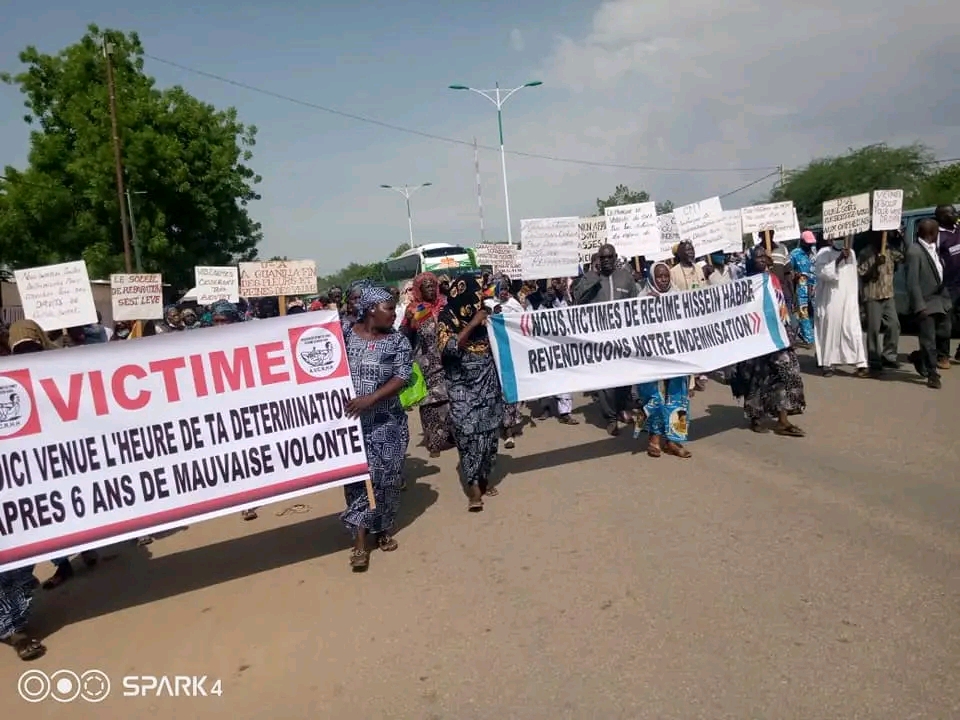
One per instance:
(407,191)
(498,97)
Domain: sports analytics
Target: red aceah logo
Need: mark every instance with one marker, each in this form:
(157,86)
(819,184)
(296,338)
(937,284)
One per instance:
(18,406)
(318,352)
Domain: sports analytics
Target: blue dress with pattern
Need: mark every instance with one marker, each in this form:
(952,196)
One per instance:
(802,264)
(373,363)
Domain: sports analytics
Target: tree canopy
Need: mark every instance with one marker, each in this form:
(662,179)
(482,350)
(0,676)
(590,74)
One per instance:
(359,271)
(874,167)
(185,166)
(622,195)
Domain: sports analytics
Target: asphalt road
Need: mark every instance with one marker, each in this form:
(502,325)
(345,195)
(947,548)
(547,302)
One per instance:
(766,577)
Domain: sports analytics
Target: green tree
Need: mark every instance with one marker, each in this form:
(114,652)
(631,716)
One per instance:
(859,171)
(401,249)
(184,160)
(939,188)
(623,195)
(353,271)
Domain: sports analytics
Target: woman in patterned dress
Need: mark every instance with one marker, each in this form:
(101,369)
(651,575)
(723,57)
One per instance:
(380,365)
(771,385)
(420,326)
(664,404)
(476,401)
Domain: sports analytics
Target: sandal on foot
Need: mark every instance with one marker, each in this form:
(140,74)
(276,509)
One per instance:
(475,506)
(789,431)
(654,451)
(568,419)
(62,575)
(676,450)
(249,514)
(359,560)
(491,492)
(27,648)
(759,428)
(386,542)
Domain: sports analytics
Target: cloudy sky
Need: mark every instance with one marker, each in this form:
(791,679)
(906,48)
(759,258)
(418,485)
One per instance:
(700,97)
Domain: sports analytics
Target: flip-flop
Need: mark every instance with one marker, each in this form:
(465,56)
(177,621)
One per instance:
(475,506)
(677,451)
(654,451)
(789,431)
(28,648)
(360,560)
(491,492)
(759,429)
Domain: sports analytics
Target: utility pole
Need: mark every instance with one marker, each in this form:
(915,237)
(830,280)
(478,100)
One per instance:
(133,233)
(780,168)
(117,156)
(476,164)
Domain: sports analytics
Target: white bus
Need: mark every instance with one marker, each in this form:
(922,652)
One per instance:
(433,257)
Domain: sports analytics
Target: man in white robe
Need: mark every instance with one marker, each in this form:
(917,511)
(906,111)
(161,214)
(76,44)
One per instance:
(837,333)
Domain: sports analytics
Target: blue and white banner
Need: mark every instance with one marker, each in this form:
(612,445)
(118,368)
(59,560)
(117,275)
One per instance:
(627,342)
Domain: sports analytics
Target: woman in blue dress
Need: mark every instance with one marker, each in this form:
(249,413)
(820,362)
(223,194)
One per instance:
(380,365)
(664,404)
(801,259)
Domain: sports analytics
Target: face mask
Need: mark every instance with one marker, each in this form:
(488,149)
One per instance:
(838,244)
(717,258)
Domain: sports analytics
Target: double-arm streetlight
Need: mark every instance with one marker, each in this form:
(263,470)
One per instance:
(498,97)
(407,191)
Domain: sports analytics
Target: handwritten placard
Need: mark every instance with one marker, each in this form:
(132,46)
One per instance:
(667,225)
(732,231)
(215,283)
(502,257)
(278,277)
(701,223)
(549,247)
(778,217)
(846,216)
(633,229)
(57,297)
(136,297)
(593,234)
(887,209)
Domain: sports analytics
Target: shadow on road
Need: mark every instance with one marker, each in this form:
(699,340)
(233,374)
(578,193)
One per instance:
(132,577)
(717,419)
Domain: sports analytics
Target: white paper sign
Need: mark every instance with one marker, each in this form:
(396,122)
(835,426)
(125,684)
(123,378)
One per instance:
(633,229)
(887,209)
(502,257)
(57,297)
(215,283)
(701,223)
(549,248)
(278,277)
(136,297)
(732,232)
(846,216)
(667,224)
(593,234)
(778,217)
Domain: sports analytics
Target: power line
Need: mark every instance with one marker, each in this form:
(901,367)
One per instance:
(751,184)
(439,138)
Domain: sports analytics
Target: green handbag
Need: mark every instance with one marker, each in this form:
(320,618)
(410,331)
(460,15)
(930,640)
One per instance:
(415,390)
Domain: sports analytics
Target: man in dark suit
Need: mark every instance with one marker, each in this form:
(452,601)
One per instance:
(928,299)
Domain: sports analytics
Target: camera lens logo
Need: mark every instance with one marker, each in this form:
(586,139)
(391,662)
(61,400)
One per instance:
(63,686)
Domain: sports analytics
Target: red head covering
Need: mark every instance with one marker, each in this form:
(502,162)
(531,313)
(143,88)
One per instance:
(421,309)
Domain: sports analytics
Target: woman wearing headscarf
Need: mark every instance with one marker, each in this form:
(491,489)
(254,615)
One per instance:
(380,365)
(512,426)
(224,312)
(476,401)
(17,586)
(805,277)
(771,385)
(348,314)
(664,404)
(420,326)
(172,322)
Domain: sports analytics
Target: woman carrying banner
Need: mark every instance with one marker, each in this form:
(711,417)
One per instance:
(380,365)
(17,586)
(476,401)
(420,326)
(664,404)
(771,385)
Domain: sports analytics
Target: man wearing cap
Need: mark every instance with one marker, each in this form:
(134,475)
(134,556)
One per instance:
(875,269)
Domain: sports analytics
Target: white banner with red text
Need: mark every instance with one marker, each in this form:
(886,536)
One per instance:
(626,342)
(108,442)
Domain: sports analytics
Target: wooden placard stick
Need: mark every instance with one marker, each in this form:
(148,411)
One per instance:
(371,500)
(848,241)
(636,264)
(283,305)
(883,243)
(767,242)
(137,330)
